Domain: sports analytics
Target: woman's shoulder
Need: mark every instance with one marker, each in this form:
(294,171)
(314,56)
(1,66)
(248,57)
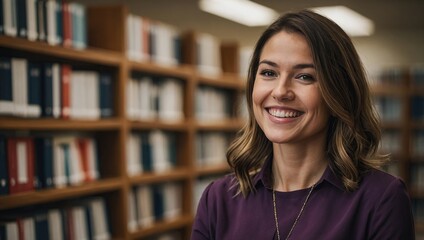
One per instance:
(378,181)
(221,189)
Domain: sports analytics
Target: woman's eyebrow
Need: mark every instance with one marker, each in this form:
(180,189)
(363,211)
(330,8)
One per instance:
(297,66)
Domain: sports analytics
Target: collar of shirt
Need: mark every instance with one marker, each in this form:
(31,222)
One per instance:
(264,177)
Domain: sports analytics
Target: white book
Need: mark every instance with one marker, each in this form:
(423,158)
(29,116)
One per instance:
(171,100)
(134,166)
(76,95)
(52,38)
(12,231)
(20,85)
(133,105)
(29,228)
(62,160)
(245,55)
(80,225)
(164,44)
(22,162)
(93,159)
(31,20)
(56,90)
(132,212)
(99,221)
(55,224)
(134,24)
(172,195)
(144,196)
(147,96)
(209,62)
(10,18)
(92,94)
(160,151)
(42,31)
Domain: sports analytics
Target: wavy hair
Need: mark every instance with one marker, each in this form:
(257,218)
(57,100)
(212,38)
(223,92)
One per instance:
(354,133)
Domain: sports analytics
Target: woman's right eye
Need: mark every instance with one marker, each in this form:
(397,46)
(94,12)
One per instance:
(267,73)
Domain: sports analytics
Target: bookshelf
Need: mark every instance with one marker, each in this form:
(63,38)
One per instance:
(107,51)
(398,94)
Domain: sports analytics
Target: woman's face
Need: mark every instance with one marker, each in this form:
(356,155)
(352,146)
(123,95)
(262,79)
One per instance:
(287,102)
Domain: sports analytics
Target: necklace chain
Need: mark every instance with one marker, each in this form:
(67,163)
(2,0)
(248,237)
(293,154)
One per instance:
(298,215)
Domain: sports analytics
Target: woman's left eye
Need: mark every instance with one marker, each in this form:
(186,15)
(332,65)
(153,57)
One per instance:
(305,77)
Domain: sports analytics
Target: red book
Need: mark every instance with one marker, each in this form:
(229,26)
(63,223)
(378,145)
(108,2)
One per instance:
(21,228)
(66,88)
(67,24)
(20,155)
(82,144)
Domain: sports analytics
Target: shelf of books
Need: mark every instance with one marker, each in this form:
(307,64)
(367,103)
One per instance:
(110,123)
(399,99)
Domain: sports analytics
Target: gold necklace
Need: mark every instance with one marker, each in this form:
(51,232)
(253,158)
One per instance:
(298,215)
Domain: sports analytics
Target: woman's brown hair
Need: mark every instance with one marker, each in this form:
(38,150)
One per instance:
(354,131)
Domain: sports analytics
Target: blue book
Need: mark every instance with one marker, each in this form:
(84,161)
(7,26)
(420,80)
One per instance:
(6,93)
(22,18)
(59,22)
(106,95)
(177,49)
(44,161)
(3,230)
(34,90)
(146,150)
(41,223)
(158,202)
(4,186)
(67,156)
(42,20)
(47,90)
(173,153)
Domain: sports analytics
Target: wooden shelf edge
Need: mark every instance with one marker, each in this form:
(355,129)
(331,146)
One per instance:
(10,123)
(157,124)
(98,56)
(152,177)
(182,71)
(163,226)
(222,81)
(56,194)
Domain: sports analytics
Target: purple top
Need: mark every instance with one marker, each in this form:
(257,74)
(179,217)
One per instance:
(379,209)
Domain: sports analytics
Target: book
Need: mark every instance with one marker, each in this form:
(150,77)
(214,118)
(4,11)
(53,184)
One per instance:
(67,24)
(47,90)
(21,7)
(41,20)
(57,90)
(20,151)
(79,25)
(34,90)
(20,86)
(41,224)
(1,18)
(134,165)
(10,18)
(145,206)
(7,105)
(44,161)
(106,96)
(4,179)
(51,22)
(65,87)
(132,211)
(55,221)
(31,12)
(99,220)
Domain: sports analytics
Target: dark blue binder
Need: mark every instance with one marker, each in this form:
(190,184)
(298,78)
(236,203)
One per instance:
(47,90)
(106,95)
(4,186)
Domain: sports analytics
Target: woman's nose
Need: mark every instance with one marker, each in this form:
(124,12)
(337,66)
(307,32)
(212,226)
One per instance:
(283,91)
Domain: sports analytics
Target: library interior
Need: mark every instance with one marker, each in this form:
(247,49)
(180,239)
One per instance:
(116,114)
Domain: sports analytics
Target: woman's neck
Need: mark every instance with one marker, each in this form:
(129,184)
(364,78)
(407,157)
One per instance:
(297,167)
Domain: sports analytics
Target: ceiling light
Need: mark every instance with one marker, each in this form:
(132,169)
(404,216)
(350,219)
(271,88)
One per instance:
(242,11)
(353,23)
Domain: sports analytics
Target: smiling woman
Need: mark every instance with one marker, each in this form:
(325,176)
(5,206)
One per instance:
(309,149)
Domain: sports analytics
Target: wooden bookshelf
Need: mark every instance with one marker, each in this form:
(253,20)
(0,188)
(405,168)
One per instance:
(107,50)
(404,90)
